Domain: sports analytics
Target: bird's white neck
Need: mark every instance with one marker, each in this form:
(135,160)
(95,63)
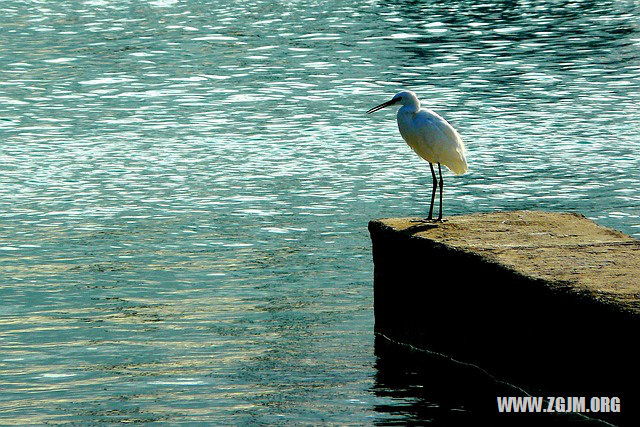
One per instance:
(409,109)
(410,104)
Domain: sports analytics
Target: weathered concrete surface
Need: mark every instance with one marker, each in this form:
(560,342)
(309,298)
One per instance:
(550,301)
(557,247)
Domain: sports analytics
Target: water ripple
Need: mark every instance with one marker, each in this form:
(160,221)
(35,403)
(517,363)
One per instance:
(186,186)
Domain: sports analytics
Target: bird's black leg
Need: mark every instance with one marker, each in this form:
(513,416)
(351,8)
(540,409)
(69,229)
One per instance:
(441,186)
(433,192)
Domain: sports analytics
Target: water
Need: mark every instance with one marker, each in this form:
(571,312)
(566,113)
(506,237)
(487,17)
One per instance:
(185,187)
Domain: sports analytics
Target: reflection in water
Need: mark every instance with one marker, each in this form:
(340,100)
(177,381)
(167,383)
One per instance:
(185,186)
(432,388)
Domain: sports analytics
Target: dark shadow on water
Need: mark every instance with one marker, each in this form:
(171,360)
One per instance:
(440,391)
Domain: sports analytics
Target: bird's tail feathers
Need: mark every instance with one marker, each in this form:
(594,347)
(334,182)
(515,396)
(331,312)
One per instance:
(458,165)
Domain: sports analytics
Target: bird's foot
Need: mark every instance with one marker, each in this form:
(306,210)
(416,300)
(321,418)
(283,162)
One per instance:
(423,220)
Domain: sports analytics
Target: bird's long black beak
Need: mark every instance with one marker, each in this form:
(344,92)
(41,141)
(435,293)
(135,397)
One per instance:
(381,106)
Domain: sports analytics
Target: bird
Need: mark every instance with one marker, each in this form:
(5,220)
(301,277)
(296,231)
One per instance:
(431,137)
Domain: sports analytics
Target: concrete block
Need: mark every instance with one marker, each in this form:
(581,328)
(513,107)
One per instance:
(546,301)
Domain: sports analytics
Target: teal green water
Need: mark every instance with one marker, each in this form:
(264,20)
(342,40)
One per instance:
(185,187)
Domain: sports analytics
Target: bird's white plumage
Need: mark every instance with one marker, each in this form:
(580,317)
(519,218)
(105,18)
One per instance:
(430,135)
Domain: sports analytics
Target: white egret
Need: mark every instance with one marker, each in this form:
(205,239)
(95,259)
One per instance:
(431,137)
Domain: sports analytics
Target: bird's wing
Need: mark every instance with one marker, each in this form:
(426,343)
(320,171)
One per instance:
(443,140)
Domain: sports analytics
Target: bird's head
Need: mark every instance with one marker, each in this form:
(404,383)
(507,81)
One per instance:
(406,97)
